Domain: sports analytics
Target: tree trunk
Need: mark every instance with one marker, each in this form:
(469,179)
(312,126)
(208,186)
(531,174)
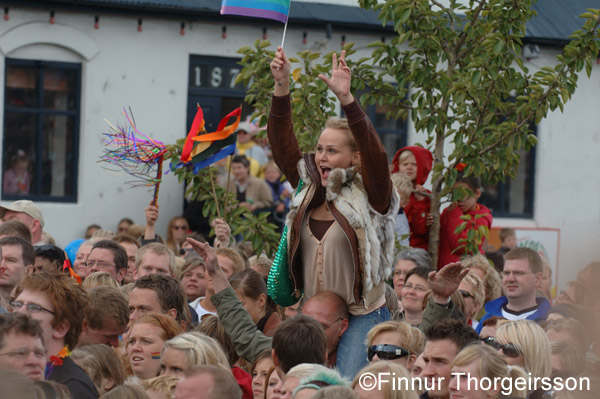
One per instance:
(436,190)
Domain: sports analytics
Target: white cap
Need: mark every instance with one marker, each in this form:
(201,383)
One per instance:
(24,206)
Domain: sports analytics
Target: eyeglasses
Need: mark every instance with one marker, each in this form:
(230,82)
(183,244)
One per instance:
(466,294)
(30,307)
(386,352)
(23,353)
(400,272)
(101,265)
(416,287)
(491,341)
(180,227)
(331,325)
(509,350)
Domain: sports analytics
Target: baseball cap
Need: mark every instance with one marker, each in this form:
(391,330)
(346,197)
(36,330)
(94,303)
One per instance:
(249,128)
(24,206)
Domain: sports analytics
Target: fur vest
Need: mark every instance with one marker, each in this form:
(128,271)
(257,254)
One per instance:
(374,232)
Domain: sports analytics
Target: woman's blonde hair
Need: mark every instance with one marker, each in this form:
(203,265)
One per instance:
(530,340)
(199,349)
(97,279)
(342,124)
(164,384)
(413,339)
(394,369)
(492,282)
(491,365)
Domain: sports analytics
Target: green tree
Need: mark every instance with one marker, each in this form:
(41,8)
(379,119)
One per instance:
(202,186)
(457,71)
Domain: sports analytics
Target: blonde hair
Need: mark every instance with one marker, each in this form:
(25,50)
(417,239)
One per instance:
(157,249)
(98,279)
(262,262)
(342,124)
(164,384)
(199,349)
(404,155)
(413,339)
(402,184)
(272,165)
(397,371)
(491,365)
(492,282)
(239,263)
(530,340)
(304,370)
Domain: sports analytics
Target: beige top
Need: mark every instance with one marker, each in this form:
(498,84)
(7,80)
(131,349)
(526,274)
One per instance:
(332,267)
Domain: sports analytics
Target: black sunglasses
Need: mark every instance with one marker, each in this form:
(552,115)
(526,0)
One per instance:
(466,294)
(386,352)
(491,341)
(509,350)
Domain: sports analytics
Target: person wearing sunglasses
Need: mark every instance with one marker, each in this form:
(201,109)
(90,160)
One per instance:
(395,341)
(524,343)
(176,233)
(472,291)
(476,362)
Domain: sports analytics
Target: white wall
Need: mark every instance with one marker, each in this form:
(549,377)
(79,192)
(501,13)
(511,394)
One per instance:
(147,71)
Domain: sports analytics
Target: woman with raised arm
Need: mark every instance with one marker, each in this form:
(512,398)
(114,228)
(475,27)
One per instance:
(341,223)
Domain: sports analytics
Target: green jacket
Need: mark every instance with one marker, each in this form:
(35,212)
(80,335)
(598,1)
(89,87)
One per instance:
(248,340)
(434,312)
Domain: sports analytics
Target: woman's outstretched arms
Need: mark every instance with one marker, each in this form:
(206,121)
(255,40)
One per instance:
(280,130)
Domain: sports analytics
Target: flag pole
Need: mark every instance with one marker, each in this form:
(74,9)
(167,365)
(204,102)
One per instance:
(286,23)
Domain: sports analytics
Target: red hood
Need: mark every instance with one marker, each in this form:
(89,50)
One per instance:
(424,162)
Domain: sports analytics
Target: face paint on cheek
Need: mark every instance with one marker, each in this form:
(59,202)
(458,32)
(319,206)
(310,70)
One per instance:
(155,355)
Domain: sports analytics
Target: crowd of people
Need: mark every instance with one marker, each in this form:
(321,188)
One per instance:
(130,314)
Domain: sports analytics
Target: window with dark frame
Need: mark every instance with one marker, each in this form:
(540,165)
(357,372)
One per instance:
(513,197)
(41,130)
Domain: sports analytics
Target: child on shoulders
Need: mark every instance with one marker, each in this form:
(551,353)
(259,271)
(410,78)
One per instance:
(416,162)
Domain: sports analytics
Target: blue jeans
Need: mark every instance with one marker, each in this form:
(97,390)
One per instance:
(352,349)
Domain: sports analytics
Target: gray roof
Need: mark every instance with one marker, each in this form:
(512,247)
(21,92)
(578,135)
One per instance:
(556,19)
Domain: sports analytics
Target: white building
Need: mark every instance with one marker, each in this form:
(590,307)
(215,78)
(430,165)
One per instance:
(68,65)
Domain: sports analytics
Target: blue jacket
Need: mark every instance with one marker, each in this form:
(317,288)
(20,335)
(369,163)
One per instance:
(494,308)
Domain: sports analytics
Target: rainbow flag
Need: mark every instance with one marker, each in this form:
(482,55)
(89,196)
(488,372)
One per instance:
(271,9)
(202,150)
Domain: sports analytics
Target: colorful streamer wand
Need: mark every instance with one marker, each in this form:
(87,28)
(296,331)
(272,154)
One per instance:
(135,154)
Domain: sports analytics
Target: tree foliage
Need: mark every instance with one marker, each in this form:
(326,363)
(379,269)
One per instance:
(457,71)
(203,187)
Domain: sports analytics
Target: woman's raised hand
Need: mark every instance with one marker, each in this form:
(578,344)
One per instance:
(341,77)
(280,68)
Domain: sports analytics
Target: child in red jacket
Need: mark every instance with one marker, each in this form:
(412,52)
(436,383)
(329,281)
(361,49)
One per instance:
(416,163)
(451,219)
